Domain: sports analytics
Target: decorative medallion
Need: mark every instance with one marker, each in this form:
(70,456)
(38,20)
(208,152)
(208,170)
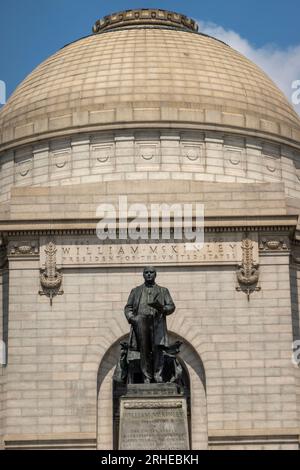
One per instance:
(102,153)
(247,273)
(193,155)
(61,158)
(147,156)
(24,167)
(147,151)
(192,152)
(272,169)
(234,157)
(272,165)
(234,161)
(50,277)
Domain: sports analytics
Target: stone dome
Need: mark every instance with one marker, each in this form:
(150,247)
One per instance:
(142,69)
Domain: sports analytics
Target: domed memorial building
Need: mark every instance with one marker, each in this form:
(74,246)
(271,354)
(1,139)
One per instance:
(148,110)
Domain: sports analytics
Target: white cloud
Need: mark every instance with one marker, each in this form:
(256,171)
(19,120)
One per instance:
(282,65)
(2,92)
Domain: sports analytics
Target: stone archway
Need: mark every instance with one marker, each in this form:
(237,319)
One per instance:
(195,368)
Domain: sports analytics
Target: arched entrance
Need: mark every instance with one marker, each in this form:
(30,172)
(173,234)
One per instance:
(109,393)
(119,389)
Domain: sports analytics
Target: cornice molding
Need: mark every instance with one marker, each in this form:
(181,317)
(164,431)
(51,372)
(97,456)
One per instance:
(89,231)
(180,126)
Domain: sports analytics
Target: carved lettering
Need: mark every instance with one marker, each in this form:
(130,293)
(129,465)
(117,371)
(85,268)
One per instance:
(91,252)
(153,424)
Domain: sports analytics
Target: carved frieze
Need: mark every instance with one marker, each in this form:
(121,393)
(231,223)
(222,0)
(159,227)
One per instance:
(220,249)
(273,245)
(23,248)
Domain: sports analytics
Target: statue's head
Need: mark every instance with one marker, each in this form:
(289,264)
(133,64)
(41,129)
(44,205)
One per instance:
(149,274)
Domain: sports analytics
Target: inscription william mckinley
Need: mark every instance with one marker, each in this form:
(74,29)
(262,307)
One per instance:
(90,251)
(153,425)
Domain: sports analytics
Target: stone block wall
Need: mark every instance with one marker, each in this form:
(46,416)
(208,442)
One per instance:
(295,298)
(81,202)
(55,352)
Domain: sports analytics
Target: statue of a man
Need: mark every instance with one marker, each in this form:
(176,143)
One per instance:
(146,311)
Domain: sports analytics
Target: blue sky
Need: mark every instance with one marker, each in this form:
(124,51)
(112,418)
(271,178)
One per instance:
(31,30)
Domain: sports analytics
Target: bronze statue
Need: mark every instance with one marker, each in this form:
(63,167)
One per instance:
(146,311)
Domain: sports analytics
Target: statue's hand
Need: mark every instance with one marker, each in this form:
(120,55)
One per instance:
(144,311)
(157,305)
(132,320)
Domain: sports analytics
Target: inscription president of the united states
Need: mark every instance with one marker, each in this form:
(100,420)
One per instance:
(146,311)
